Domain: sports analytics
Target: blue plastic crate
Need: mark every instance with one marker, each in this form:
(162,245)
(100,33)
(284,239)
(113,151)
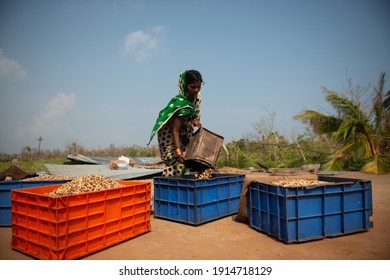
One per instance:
(196,201)
(5,195)
(298,214)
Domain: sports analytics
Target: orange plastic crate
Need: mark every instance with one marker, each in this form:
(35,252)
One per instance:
(69,227)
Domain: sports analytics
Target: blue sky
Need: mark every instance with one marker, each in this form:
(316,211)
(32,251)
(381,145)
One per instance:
(98,72)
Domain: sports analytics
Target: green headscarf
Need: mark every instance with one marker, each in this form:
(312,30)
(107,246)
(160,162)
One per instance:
(180,104)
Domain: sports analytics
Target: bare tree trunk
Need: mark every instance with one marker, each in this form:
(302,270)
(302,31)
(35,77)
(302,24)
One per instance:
(300,151)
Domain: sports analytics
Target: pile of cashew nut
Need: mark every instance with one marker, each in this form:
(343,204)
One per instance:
(84,184)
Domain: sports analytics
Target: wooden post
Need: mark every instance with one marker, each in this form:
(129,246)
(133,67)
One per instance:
(39,145)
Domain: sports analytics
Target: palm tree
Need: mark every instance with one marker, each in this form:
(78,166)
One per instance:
(386,105)
(386,101)
(359,134)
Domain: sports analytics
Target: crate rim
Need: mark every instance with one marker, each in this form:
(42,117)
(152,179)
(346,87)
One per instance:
(348,181)
(221,176)
(27,190)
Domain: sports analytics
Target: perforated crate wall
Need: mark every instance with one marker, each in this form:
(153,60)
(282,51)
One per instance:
(69,227)
(195,201)
(297,214)
(5,195)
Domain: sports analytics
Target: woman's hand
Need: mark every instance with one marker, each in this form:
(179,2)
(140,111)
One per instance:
(196,122)
(179,154)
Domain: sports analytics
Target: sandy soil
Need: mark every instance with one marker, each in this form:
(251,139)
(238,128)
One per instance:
(227,239)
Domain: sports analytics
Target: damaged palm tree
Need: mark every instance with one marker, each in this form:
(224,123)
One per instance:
(360,134)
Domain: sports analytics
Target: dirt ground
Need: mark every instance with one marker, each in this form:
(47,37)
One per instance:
(227,239)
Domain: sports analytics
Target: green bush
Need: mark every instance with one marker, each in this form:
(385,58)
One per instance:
(354,164)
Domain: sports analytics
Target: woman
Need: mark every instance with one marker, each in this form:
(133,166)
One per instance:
(175,123)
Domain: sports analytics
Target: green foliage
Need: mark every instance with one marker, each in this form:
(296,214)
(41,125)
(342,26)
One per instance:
(33,166)
(362,135)
(247,153)
(377,165)
(29,162)
(354,164)
(136,151)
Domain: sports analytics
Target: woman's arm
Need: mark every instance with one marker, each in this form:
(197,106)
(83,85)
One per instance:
(176,139)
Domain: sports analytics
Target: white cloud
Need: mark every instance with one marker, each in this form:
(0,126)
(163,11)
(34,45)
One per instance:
(141,44)
(56,107)
(160,29)
(10,69)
